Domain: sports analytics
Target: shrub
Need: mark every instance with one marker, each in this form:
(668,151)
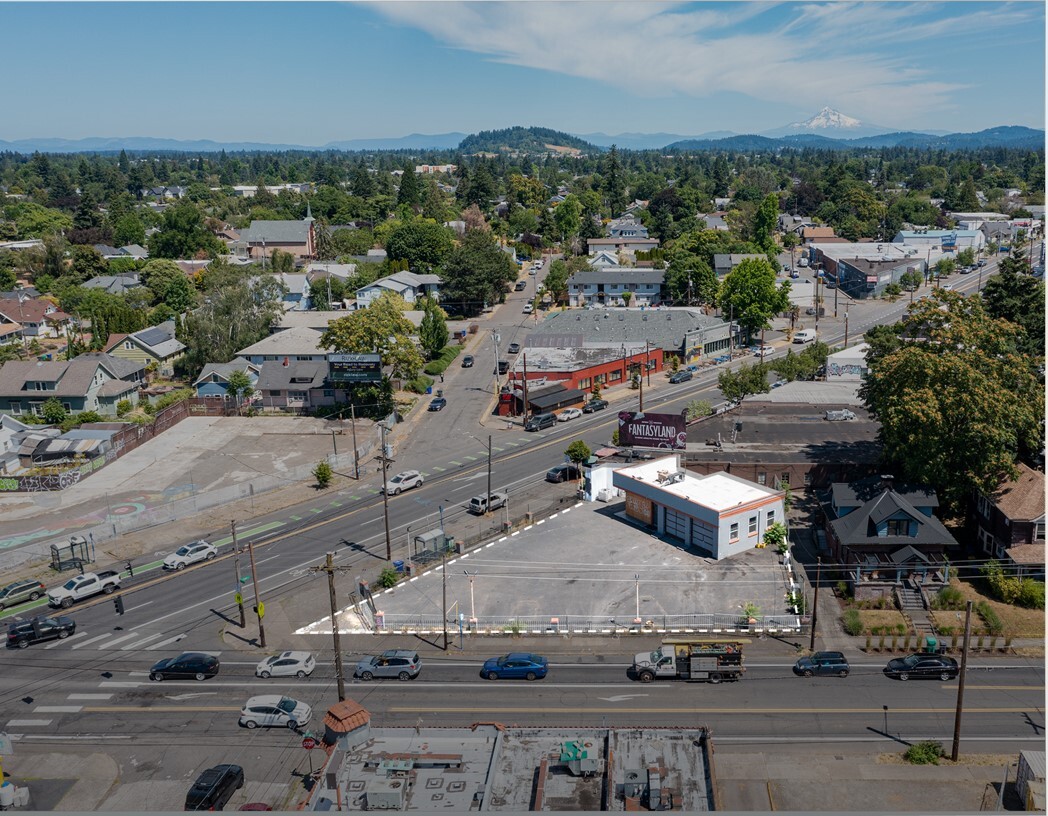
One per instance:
(928,752)
(989,618)
(775,536)
(419,384)
(844,589)
(1031,593)
(171,397)
(852,622)
(388,578)
(438,365)
(948,598)
(124,407)
(323,473)
(53,411)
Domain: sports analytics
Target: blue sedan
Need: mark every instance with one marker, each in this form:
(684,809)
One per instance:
(516,665)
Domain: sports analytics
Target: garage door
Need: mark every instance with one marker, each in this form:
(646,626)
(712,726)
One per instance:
(702,538)
(676,525)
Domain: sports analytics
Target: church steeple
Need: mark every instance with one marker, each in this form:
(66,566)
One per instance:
(309,212)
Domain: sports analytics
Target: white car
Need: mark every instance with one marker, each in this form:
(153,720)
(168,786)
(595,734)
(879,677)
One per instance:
(190,554)
(287,664)
(569,414)
(268,710)
(404,481)
(762,351)
(528,308)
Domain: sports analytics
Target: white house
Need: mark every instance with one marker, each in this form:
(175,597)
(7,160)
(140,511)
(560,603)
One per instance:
(719,515)
(610,285)
(408,285)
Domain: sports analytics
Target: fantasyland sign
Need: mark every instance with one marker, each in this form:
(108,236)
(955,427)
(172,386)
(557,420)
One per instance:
(637,430)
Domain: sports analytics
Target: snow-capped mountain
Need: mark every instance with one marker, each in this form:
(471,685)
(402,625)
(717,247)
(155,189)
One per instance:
(832,124)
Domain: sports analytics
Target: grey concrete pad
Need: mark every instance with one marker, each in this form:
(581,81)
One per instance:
(63,782)
(589,561)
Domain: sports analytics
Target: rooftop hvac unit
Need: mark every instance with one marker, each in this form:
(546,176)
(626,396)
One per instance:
(385,794)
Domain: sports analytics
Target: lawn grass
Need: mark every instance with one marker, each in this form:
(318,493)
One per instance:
(873,618)
(1018,622)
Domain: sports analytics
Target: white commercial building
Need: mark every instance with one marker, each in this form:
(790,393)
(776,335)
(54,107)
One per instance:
(719,514)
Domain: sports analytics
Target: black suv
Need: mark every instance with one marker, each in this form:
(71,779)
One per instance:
(214,787)
(38,630)
(188,664)
(822,663)
(594,405)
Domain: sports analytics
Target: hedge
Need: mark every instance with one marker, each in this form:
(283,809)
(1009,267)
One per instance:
(419,384)
(438,365)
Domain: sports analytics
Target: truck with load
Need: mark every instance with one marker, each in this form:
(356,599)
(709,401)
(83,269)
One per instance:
(485,504)
(682,658)
(83,586)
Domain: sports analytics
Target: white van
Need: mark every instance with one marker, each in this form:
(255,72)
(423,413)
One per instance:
(805,336)
(803,262)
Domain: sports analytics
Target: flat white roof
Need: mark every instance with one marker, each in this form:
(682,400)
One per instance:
(717,491)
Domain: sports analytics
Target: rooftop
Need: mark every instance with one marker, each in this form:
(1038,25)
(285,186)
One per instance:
(720,492)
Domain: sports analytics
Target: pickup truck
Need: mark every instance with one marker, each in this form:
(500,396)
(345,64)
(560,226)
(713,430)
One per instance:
(83,586)
(483,504)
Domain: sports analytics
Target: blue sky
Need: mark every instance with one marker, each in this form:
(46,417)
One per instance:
(312,73)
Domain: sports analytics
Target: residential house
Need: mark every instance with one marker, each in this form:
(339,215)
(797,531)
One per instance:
(136,251)
(262,238)
(603,260)
(626,226)
(886,536)
(37,317)
(1009,524)
(10,333)
(87,383)
(11,434)
(155,345)
(251,190)
(296,344)
(714,221)
(616,286)
(722,202)
(408,285)
(24,292)
(108,252)
(296,292)
(794,224)
(812,234)
(321,270)
(213,380)
(628,245)
(115,284)
(194,267)
(725,263)
(161,192)
(296,386)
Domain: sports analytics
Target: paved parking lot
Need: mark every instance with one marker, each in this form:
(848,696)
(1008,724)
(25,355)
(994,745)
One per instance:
(586,562)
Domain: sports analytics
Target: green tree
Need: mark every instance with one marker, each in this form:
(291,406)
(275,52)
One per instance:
(476,273)
(957,404)
(613,183)
(966,257)
(910,280)
(1018,298)
(409,193)
(423,244)
(183,234)
(750,295)
(87,263)
(765,220)
(239,386)
(945,267)
(556,281)
(382,329)
(352,242)
(325,248)
(568,216)
(746,380)
(578,452)
(323,474)
(128,229)
(433,331)
(158,273)
(53,411)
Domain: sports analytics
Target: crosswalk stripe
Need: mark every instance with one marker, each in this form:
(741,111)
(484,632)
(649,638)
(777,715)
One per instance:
(164,643)
(57,709)
(139,644)
(91,640)
(89,696)
(66,640)
(119,684)
(27,722)
(115,641)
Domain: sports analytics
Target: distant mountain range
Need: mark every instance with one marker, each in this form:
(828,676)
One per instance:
(828,129)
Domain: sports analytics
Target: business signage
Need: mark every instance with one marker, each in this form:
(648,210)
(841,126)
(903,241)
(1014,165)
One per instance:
(355,367)
(637,430)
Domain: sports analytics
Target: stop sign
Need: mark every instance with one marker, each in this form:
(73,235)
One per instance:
(309,743)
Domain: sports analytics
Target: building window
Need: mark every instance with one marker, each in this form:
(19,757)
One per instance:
(733,532)
(771,517)
(983,506)
(1038,530)
(329,392)
(898,527)
(128,345)
(762,478)
(585,383)
(753,525)
(274,393)
(16,408)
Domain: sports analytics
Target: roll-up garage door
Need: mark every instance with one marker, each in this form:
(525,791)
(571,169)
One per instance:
(676,525)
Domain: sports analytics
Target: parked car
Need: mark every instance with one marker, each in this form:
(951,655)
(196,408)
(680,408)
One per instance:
(528,308)
(569,414)
(287,664)
(594,405)
(540,422)
(23,633)
(795,274)
(190,554)
(215,787)
(521,285)
(83,586)
(514,348)
(437,404)
(503,366)
(188,664)
(515,665)
(681,376)
(922,667)
(534,270)
(404,480)
(20,592)
(562,473)
(822,663)
(268,710)
(402,664)
(981,262)
(467,361)
(480,505)
(762,351)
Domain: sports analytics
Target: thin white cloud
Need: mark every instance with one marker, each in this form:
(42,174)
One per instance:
(861,58)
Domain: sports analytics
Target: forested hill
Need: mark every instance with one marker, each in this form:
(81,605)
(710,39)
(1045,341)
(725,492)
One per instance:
(526,140)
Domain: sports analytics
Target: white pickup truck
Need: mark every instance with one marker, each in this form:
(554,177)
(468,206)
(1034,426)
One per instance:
(479,505)
(83,586)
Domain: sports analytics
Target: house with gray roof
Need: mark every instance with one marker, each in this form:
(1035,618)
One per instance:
(12,433)
(297,386)
(155,345)
(136,251)
(725,263)
(263,237)
(87,383)
(616,286)
(626,226)
(115,284)
(298,343)
(409,285)
(297,293)
(213,380)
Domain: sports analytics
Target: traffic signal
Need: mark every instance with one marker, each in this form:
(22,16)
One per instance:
(118,602)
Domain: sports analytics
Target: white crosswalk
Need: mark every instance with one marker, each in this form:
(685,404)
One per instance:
(112,640)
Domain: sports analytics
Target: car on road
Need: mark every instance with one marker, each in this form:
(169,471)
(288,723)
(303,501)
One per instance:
(514,348)
(197,665)
(569,414)
(23,633)
(562,473)
(215,787)
(190,554)
(528,308)
(981,262)
(681,376)
(822,664)
(404,480)
(922,666)
(287,664)
(516,665)
(402,664)
(20,592)
(437,404)
(594,405)
(467,361)
(520,285)
(534,270)
(268,710)
(762,351)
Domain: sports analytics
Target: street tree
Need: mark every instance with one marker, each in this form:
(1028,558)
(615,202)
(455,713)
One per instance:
(476,273)
(424,244)
(749,294)
(578,452)
(433,331)
(381,329)
(556,281)
(568,217)
(956,403)
(746,380)
(1018,298)
(966,257)
(945,267)
(765,221)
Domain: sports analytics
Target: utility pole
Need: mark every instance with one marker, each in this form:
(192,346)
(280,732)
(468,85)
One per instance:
(846,328)
(236,566)
(640,379)
(489,468)
(960,685)
(495,340)
(527,406)
(356,455)
(647,362)
(259,608)
(815,602)
(330,568)
(385,494)
(444,590)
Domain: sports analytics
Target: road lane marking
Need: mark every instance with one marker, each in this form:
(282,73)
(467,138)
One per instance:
(119,684)
(58,709)
(164,643)
(147,709)
(1006,688)
(23,723)
(133,608)
(710,711)
(89,696)
(61,641)
(140,643)
(120,639)
(92,640)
